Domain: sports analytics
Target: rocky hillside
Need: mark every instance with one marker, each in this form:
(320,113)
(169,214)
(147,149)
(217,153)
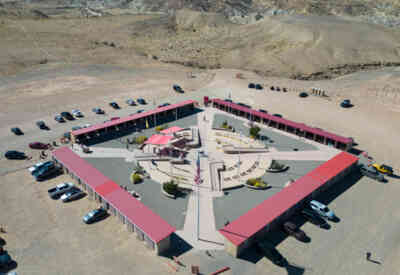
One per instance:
(386,12)
(297,46)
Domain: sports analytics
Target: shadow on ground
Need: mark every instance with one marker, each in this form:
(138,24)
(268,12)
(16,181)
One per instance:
(275,237)
(179,247)
(11,266)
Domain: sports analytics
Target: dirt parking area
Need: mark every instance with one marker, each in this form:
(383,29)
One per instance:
(49,237)
(46,236)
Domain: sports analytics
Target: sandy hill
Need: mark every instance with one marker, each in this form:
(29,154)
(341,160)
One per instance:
(287,45)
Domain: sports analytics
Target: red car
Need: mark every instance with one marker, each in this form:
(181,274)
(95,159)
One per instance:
(115,118)
(38,145)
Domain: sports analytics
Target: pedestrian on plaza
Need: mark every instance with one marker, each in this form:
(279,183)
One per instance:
(368,256)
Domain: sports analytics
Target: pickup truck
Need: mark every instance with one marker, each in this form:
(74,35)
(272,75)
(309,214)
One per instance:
(60,189)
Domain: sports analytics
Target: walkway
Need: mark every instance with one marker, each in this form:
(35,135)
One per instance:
(199,229)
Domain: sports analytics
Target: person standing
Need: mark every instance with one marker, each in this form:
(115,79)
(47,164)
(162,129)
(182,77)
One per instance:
(368,256)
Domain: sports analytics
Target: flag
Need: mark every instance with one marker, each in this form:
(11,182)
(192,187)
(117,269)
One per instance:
(197,178)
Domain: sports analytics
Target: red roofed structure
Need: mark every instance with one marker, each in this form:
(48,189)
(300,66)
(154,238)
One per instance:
(243,231)
(299,129)
(137,120)
(148,226)
(171,130)
(159,140)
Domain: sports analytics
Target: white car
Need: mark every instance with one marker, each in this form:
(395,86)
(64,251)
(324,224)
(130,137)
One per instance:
(76,113)
(60,189)
(322,210)
(87,125)
(34,167)
(73,194)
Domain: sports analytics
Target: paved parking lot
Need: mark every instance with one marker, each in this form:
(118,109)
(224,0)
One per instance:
(117,169)
(239,201)
(273,138)
(119,141)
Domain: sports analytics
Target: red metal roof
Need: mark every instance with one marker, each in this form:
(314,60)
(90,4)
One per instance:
(130,118)
(171,130)
(106,188)
(287,122)
(80,167)
(158,139)
(137,213)
(257,218)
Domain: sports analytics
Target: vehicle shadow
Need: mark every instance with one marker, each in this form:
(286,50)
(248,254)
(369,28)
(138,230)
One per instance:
(11,266)
(393,176)
(294,270)
(2,242)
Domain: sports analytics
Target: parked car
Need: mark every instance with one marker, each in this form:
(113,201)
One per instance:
(47,165)
(42,125)
(141,101)
(5,259)
(73,194)
(177,88)
(95,215)
(76,128)
(263,111)
(114,105)
(371,172)
(45,172)
(115,118)
(228,100)
(314,218)
(303,94)
(346,103)
(293,230)
(139,111)
(272,88)
(86,125)
(131,102)
(258,87)
(60,189)
(277,115)
(77,113)
(163,105)
(251,86)
(284,90)
(98,111)
(37,166)
(17,131)
(38,145)
(322,210)
(271,253)
(67,115)
(383,168)
(14,155)
(277,89)
(59,118)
